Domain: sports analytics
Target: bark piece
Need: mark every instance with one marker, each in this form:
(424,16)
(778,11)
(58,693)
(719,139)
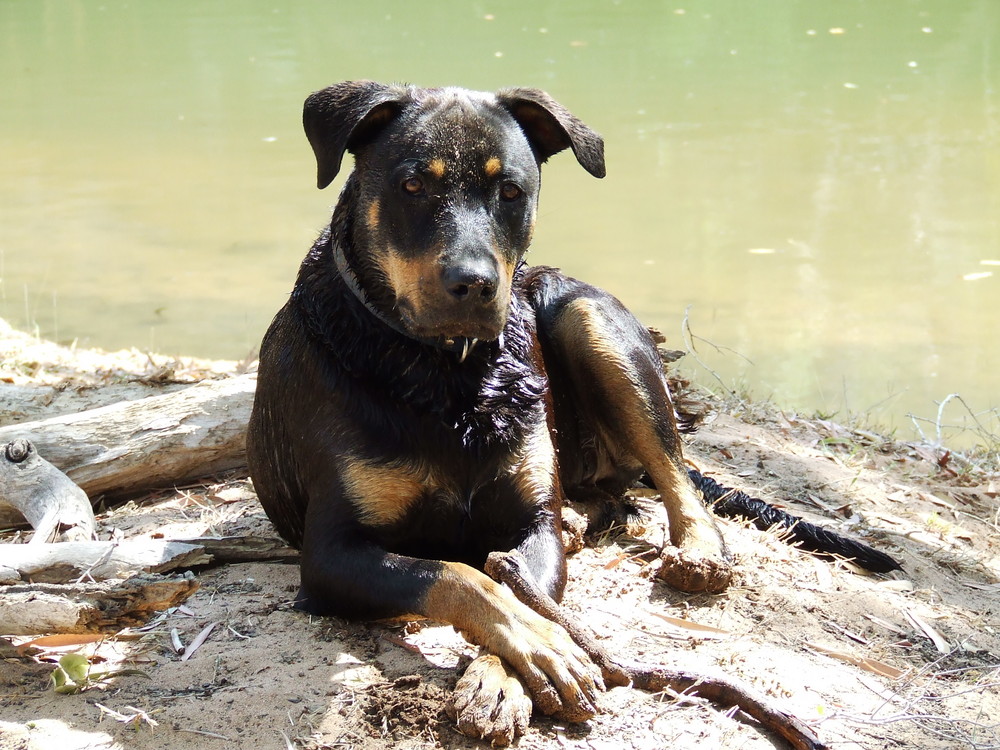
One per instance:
(47,498)
(157,441)
(109,606)
(228,550)
(510,568)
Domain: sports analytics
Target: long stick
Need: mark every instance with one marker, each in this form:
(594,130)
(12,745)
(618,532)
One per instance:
(509,568)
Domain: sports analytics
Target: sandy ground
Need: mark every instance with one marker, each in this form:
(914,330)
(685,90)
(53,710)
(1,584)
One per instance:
(910,660)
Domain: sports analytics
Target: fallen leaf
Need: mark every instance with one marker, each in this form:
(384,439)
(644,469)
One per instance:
(935,637)
(863,662)
(704,631)
(198,641)
(61,641)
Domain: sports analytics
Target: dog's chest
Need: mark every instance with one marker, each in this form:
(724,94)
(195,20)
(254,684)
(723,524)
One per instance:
(459,504)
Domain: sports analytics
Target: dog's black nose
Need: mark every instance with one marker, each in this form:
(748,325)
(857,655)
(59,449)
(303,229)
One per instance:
(471,283)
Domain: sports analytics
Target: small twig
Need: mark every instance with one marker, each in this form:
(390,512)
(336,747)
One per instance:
(689,338)
(510,568)
(204,734)
(105,556)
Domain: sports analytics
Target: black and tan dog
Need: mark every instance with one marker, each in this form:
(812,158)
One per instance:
(424,398)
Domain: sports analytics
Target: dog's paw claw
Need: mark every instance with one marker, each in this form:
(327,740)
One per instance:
(694,572)
(490,703)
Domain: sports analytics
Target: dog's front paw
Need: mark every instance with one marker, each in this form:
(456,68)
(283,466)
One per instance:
(561,678)
(490,703)
(694,571)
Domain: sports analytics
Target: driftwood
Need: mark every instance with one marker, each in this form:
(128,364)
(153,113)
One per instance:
(65,562)
(157,441)
(109,606)
(45,496)
(96,561)
(509,568)
(43,606)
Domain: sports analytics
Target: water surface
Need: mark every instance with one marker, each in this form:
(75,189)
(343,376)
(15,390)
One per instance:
(815,185)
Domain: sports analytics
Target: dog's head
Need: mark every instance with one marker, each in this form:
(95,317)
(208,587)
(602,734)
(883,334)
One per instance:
(446,184)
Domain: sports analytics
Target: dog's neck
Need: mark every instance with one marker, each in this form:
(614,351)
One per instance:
(341,237)
(489,400)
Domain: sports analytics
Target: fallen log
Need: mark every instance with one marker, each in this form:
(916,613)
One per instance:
(96,561)
(45,496)
(69,561)
(510,568)
(109,606)
(157,441)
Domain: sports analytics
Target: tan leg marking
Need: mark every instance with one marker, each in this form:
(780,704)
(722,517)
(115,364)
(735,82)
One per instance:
(533,469)
(700,561)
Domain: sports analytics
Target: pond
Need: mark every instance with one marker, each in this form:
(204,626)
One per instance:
(813,187)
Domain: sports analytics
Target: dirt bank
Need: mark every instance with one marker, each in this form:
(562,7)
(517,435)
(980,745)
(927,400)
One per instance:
(819,638)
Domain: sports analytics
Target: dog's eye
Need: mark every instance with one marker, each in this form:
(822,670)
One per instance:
(510,192)
(413,185)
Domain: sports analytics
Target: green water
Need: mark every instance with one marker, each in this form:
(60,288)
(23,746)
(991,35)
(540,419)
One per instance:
(817,183)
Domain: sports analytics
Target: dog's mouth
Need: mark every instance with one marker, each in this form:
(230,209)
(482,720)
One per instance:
(440,331)
(447,333)
(463,347)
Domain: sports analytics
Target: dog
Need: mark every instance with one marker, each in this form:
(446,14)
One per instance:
(425,398)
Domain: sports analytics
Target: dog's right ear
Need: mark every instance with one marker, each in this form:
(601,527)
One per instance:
(346,116)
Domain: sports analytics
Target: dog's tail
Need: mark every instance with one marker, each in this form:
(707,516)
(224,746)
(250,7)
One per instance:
(734,503)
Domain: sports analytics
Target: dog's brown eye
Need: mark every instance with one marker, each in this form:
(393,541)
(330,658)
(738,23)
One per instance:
(413,185)
(510,192)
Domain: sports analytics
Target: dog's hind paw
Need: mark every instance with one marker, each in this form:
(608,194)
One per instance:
(694,572)
(490,702)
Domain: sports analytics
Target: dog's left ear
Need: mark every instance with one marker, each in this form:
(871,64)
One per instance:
(551,127)
(346,116)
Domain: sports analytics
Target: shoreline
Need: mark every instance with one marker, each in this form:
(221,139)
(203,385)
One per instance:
(839,649)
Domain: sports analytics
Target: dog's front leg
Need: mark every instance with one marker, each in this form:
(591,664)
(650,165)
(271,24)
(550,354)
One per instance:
(560,677)
(490,701)
(344,574)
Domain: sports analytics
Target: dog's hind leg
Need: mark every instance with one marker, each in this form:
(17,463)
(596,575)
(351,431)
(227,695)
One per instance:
(619,394)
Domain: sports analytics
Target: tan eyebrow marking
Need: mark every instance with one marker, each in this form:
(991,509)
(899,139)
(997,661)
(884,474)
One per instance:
(492,166)
(436,168)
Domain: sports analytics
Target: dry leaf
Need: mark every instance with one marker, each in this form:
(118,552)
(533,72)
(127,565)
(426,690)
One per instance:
(870,665)
(200,639)
(935,637)
(886,625)
(61,641)
(703,631)
(982,586)
(616,561)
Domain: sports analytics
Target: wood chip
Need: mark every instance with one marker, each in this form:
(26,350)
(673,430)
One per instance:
(175,641)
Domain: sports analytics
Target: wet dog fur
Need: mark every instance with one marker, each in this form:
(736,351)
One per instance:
(425,398)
